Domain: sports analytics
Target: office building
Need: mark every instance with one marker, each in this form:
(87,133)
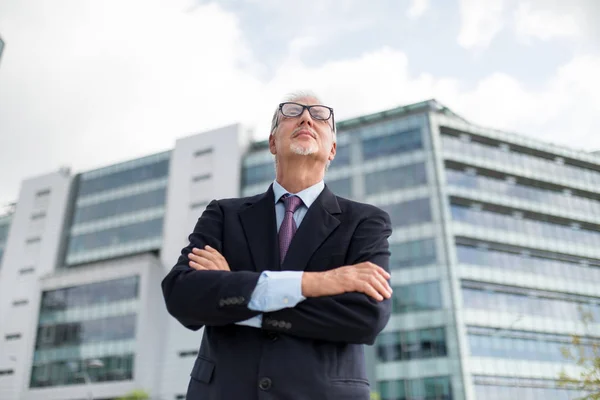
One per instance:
(494,251)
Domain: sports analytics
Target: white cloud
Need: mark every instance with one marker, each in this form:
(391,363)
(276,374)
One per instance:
(561,111)
(481,21)
(90,83)
(417,8)
(548,23)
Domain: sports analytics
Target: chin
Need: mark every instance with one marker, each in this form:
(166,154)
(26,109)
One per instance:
(303,150)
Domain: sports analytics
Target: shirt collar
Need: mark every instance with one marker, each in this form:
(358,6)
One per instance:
(308,195)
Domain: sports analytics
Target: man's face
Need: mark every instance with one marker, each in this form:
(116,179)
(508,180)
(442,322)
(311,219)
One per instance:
(303,135)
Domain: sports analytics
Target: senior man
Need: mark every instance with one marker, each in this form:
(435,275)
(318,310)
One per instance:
(289,284)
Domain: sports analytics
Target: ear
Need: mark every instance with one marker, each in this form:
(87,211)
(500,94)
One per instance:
(272,147)
(332,152)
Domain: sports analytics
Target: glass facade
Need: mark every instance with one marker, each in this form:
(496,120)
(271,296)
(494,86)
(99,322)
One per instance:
(411,345)
(509,299)
(120,178)
(523,345)
(396,178)
(409,212)
(543,164)
(415,297)
(115,236)
(540,263)
(392,144)
(552,228)
(414,253)
(120,206)
(86,332)
(502,388)
(530,193)
(434,388)
(341,187)
(119,210)
(519,188)
(258,173)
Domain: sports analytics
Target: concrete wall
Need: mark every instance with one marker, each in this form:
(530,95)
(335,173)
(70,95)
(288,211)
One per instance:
(203,167)
(31,252)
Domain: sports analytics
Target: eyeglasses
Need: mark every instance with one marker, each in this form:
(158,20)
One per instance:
(319,112)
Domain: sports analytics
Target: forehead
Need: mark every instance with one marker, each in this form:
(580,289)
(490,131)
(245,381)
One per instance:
(307,100)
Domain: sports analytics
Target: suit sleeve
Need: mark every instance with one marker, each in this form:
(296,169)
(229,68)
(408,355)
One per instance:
(349,317)
(198,298)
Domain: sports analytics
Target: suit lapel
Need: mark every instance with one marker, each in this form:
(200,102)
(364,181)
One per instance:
(318,223)
(260,228)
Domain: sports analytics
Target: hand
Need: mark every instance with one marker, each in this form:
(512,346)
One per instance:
(364,277)
(207,259)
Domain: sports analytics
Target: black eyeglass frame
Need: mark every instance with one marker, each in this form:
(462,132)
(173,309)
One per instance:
(305,107)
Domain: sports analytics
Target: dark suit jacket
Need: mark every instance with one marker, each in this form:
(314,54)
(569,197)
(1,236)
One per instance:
(313,351)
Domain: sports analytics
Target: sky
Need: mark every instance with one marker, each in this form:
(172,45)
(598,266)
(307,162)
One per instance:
(85,84)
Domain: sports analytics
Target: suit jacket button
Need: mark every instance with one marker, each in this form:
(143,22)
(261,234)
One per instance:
(221,303)
(265,384)
(241,299)
(282,324)
(288,325)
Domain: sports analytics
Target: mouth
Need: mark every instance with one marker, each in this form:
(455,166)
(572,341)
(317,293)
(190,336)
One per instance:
(304,132)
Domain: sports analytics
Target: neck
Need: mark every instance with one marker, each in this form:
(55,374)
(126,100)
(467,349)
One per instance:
(299,173)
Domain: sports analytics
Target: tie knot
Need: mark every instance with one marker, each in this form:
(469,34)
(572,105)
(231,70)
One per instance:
(291,202)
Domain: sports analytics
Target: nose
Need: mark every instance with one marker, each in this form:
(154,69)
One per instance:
(305,118)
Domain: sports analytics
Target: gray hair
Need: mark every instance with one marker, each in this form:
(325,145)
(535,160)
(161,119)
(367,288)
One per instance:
(299,94)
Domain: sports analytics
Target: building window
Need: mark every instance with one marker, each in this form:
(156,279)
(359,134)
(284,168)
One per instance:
(396,178)
(189,353)
(409,212)
(143,173)
(202,152)
(416,297)
(123,205)
(434,388)
(342,156)
(202,177)
(13,336)
(258,174)
(413,253)
(341,187)
(42,199)
(411,345)
(399,142)
(38,215)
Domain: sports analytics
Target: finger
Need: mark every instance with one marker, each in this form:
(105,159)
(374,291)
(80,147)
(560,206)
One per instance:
(371,291)
(383,273)
(216,258)
(207,264)
(385,283)
(212,250)
(195,258)
(208,255)
(196,266)
(380,287)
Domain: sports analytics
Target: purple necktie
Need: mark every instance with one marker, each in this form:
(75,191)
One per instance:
(288,226)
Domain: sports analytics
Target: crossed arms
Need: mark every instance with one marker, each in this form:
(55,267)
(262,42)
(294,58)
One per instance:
(348,304)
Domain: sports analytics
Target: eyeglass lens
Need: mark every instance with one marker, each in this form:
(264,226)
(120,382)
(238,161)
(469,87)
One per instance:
(294,110)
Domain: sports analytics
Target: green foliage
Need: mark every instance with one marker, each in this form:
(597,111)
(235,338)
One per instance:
(589,379)
(137,394)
